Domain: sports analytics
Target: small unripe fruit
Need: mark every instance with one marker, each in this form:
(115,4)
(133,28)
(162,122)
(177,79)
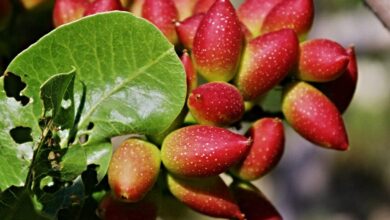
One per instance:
(218,42)
(321,60)
(192,79)
(185,8)
(126,4)
(202,6)
(314,116)
(133,170)
(253,203)
(209,196)
(253,12)
(266,61)
(136,7)
(113,209)
(186,30)
(295,14)
(201,150)
(216,103)
(163,14)
(31,4)
(341,90)
(266,150)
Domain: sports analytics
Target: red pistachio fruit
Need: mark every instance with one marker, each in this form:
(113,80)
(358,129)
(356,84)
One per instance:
(186,29)
(321,60)
(216,103)
(201,150)
(295,14)
(266,150)
(189,68)
(185,8)
(98,6)
(66,11)
(113,209)
(253,12)
(202,6)
(209,196)
(133,170)
(266,61)
(314,116)
(253,203)
(218,43)
(341,90)
(163,14)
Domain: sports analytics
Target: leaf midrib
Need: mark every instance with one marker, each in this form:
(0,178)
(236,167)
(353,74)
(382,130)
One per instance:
(138,72)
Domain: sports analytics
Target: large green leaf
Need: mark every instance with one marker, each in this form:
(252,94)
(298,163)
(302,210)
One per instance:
(135,82)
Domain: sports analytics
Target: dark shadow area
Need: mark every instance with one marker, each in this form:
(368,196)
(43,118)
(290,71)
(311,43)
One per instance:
(21,134)
(13,85)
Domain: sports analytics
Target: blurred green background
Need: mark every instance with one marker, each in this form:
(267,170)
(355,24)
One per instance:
(310,183)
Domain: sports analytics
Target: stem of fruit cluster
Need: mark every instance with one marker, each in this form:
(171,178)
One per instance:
(30,174)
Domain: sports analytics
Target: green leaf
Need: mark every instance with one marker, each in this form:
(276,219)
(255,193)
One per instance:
(135,82)
(73,163)
(58,100)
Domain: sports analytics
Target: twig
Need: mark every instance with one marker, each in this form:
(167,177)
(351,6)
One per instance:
(381,9)
(31,174)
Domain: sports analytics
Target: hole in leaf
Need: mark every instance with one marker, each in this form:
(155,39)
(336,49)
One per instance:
(90,126)
(13,85)
(83,139)
(21,134)
(24,100)
(65,104)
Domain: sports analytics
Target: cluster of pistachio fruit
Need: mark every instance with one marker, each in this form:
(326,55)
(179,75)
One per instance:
(240,55)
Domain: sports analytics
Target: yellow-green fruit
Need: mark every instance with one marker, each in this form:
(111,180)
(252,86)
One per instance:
(133,169)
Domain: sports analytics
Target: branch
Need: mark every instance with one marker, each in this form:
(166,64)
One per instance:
(381,9)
